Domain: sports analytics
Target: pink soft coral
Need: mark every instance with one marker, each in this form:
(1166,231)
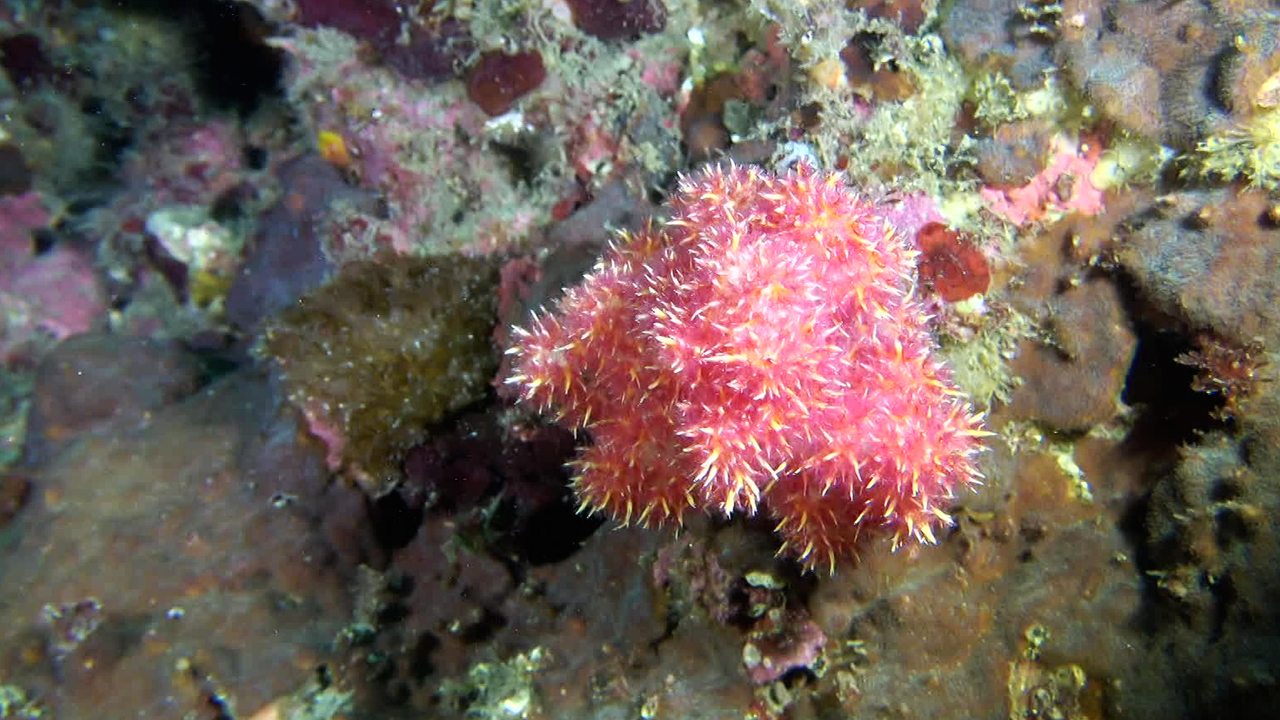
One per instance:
(763,347)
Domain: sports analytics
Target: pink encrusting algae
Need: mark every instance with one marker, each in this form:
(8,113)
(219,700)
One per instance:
(763,348)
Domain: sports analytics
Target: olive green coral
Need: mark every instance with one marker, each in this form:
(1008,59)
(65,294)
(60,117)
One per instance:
(388,347)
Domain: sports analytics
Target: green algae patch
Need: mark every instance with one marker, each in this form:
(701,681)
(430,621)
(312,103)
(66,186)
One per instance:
(387,348)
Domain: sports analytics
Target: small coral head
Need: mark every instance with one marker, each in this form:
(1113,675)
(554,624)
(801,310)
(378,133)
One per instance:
(763,348)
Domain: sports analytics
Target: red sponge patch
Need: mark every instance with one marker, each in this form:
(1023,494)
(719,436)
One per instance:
(949,264)
(499,79)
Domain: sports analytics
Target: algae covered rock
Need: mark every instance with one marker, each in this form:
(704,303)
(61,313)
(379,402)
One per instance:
(386,348)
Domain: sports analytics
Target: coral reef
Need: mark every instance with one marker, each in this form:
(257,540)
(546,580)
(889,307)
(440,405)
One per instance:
(761,347)
(1063,212)
(504,117)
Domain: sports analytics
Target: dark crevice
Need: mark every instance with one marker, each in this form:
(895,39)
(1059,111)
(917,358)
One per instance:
(232,64)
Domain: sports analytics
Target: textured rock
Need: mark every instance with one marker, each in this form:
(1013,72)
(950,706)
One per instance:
(1076,383)
(189,564)
(1212,260)
(103,383)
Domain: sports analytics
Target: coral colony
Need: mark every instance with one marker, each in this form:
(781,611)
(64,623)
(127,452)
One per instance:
(763,349)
